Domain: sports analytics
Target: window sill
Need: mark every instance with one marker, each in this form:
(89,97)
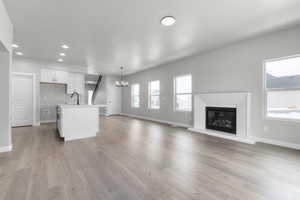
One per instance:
(153,108)
(183,111)
(282,119)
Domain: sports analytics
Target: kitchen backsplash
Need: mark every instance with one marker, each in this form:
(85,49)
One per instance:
(51,96)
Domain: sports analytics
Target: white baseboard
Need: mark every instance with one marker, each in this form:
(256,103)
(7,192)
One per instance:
(157,120)
(278,143)
(238,139)
(6,148)
(78,138)
(37,124)
(47,121)
(251,140)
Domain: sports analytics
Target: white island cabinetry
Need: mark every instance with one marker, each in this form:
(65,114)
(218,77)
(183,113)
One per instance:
(77,121)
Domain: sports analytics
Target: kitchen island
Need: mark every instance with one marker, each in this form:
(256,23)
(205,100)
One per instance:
(78,121)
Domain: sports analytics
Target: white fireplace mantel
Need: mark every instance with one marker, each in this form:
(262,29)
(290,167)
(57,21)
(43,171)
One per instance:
(239,100)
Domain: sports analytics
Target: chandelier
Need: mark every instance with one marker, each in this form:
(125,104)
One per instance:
(121,83)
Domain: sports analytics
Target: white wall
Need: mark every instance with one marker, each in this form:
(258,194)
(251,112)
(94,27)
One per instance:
(6,35)
(237,67)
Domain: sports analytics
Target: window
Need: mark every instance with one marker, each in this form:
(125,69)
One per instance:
(135,95)
(154,92)
(90,96)
(282,88)
(183,93)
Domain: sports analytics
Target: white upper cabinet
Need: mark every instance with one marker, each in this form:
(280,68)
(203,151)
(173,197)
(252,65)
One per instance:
(62,77)
(53,76)
(75,83)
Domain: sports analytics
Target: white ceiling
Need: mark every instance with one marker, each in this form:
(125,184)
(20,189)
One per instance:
(106,34)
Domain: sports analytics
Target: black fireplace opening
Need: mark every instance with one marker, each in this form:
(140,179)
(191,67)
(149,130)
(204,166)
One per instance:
(221,119)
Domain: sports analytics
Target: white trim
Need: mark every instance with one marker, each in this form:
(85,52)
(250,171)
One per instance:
(6,148)
(47,121)
(132,95)
(175,94)
(277,143)
(34,123)
(37,124)
(282,119)
(265,90)
(150,95)
(251,140)
(281,58)
(78,138)
(157,120)
(234,138)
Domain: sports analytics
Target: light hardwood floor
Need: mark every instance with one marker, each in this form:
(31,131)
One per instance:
(133,159)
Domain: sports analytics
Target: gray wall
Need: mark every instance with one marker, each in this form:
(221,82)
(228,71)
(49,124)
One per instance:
(237,67)
(6,36)
(5,130)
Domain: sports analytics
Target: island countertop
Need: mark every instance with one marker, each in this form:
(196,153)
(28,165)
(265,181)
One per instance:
(82,106)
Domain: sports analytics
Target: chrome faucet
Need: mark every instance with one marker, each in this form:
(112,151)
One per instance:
(77,94)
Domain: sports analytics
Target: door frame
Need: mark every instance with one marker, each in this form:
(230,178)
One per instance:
(34,123)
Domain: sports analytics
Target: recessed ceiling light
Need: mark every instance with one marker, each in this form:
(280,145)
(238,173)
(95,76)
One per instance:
(168,21)
(62,54)
(64,46)
(19,53)
(15,46)
(60,60)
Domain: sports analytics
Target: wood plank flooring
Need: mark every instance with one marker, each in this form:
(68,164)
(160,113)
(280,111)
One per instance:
(133,159)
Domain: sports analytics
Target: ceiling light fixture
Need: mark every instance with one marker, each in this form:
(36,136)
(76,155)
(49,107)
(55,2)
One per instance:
(64,46)
(121,83)
(15,46)
(168,21)
(62,54)
(19,53)
(60,60)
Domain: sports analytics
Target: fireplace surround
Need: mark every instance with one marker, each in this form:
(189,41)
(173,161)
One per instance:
(239,101)
(221,119)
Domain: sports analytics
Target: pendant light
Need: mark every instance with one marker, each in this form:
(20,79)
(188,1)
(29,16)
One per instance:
(121,83)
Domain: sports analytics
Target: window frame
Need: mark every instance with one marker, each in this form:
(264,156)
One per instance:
(265,91)
(175,94)
(151,95)
(132,95)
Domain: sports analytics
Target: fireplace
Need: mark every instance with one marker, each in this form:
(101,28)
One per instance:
(221,119)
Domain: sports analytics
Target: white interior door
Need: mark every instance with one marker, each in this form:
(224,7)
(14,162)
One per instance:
(22,97)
